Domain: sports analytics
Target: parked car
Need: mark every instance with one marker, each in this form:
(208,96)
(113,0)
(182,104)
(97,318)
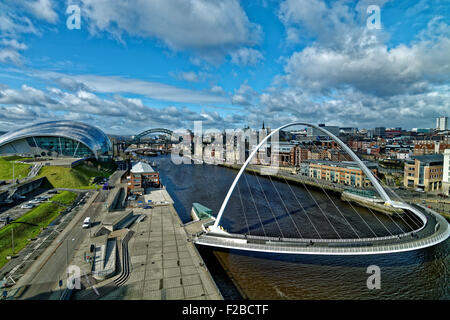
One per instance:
(148,207)
(27,206)
(53,192)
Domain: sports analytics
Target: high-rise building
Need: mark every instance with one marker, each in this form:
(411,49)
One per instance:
(312,132)
(380,132)
(442,123)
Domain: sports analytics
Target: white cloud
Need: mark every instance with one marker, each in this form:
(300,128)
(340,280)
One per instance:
(15,22)
(9,56)
(41,9)
(125,115)
(14,44)
(346,54)
(244,96)
(190,76)
(348,75)
(246,57)
(122,85)
(209,28)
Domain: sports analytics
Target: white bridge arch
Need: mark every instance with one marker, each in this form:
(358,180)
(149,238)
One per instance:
(355,158)
(435,228)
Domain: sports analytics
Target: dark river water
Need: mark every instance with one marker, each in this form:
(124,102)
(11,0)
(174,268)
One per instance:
(263,206)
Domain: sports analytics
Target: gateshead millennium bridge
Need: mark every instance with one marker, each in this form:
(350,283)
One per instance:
(433,229)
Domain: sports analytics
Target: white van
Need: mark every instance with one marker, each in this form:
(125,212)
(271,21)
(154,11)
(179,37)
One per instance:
(87,222)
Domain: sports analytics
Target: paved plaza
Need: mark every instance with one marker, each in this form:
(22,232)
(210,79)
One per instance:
(165,265)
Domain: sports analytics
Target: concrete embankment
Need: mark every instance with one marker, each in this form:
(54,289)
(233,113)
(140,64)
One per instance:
(338,190)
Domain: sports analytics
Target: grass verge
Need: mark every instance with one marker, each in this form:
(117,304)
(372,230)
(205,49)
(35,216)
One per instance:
(6,168)
(41,216)
(79,177)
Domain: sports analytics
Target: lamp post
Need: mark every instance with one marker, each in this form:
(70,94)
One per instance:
(12,236)
(67,256)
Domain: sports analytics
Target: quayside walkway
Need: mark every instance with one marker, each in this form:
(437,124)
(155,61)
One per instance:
(434,231)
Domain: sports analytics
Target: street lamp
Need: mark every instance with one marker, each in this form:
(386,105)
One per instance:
(67,256)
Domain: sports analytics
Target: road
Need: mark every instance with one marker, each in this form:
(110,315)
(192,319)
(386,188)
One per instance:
(54,268)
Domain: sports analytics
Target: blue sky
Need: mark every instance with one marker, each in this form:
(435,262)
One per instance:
(139,64)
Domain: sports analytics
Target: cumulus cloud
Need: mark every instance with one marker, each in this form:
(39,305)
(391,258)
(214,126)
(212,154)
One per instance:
(209,28)
(246,57)
(190,76)
(15,22)
(244,96)
(41,9)
(122,114)
(347,75)
(347,54)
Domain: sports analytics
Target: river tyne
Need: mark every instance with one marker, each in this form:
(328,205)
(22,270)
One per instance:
(419,274)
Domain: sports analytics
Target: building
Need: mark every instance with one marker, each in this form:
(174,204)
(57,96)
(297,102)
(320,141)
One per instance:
(345,172)
(380,132)
(281,153)
(57,139)
(298,155)
(312,132)
(446,173)
(142,176)
(424,172)
(424,147)
(442,123)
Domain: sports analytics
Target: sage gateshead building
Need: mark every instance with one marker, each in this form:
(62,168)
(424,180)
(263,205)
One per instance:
(57,139)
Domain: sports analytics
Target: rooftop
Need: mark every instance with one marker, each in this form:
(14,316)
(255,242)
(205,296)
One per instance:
(429,158)
(141,167)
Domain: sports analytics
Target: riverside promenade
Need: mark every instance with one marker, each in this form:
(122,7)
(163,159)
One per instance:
(164,264)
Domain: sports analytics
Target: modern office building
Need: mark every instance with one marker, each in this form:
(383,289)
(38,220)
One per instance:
(313,132)
(442,123)
(56,139)
(379,132)
(424,172)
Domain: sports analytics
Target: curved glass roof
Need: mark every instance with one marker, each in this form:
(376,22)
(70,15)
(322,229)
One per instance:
(92,137)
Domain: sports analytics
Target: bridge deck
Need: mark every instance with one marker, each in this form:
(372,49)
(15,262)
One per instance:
(436,230)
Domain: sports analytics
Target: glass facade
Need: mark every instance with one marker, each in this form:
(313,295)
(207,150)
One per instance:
(57,138)
(53,146)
